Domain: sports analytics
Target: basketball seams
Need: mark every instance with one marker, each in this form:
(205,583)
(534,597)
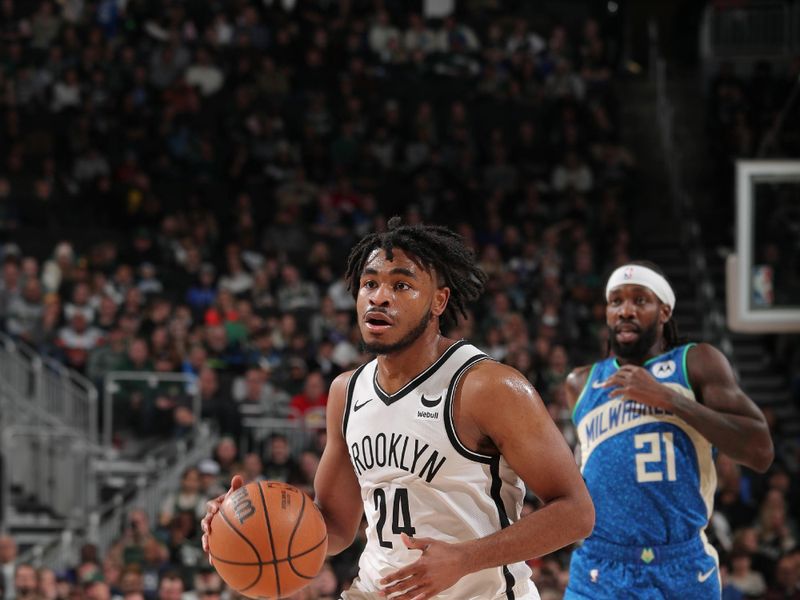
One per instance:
(271,540)
(291,555)
(297,521)
(237,563)
(285,530)
(249,543)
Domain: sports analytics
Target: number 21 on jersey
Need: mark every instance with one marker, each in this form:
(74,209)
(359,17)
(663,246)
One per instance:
(651,463)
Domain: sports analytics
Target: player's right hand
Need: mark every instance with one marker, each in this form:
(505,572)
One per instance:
(212,507)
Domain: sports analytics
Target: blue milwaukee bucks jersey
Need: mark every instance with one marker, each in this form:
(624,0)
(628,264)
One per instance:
(650,474)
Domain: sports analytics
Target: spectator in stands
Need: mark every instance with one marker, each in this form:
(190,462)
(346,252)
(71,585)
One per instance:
(257,395)
(295,293)
(310,403)
(25,313)
(59,268)
(153,564)
(572,173)
(216,403)
(133,403)
(204,74)
(775,530)
(308,464)
(25,584)
(77,339)
(203,293)
(112,572)
(80,303)
(129,548)
(10,284)
(206,585)
(46,584)
(8,558)
(210,485)
(236,279)
(564,83)
(280,465)
(96,590)
(131,581)
(108,356)
(787,578)
(223,355)
(185,554)
(252,467)
(170,586)
(188,499)
(226,455)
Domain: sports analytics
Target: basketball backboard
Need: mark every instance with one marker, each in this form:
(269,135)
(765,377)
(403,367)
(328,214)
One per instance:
(763,277)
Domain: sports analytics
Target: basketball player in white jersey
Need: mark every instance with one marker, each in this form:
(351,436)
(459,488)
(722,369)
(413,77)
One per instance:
(435,442)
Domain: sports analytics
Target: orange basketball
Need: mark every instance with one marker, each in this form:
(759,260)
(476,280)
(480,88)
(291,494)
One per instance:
(268,540)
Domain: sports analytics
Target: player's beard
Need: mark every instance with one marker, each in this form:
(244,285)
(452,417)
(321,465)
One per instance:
(404,342)
(635,350)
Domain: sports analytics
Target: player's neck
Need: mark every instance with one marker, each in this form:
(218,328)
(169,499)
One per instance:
(656,349)
(398,368)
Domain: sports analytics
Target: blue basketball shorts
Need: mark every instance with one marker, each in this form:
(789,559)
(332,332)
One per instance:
(602,571)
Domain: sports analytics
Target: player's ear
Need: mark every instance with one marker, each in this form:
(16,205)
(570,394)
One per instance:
(665,312)
(440,298)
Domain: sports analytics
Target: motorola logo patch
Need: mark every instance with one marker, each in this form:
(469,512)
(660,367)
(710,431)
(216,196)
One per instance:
(663,369)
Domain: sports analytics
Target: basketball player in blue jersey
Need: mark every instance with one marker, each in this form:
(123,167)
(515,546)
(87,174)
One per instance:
(649,419)
(435,442)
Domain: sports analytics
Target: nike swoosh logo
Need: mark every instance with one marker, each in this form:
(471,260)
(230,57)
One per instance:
(598,384)
(430,403)
(701,577)
(357,406)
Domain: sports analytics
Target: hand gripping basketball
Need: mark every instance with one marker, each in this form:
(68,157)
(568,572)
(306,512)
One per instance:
(267,539)
(212,507)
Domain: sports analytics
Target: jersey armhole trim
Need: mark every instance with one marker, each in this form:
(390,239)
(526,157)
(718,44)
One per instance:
(583,391)
(497,496)
(685,360)
(449,423)
(351,386)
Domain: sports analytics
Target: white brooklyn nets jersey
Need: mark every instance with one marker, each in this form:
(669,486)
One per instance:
(417,478)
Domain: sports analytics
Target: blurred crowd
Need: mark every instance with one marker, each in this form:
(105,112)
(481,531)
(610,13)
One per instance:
(217,160)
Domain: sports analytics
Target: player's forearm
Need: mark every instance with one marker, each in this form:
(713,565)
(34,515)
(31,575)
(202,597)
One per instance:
(340,535)
(745,439)
(557,524)
(338,542)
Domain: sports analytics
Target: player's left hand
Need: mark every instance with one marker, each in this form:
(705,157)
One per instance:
(439,568)
(636,383)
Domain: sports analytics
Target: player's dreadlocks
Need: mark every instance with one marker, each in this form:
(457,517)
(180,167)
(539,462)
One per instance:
(671,336)
(430,246)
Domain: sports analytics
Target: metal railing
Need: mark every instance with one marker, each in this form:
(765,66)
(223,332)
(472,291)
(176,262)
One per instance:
(103,525)
(151,380)
(298,432)
(50,387)
(45,461)
(51,468)
(765,28)
(743,34)
(52,454)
